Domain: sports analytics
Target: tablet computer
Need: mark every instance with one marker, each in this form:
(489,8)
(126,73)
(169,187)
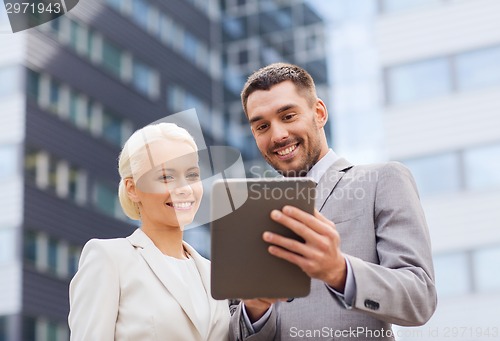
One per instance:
(241,266)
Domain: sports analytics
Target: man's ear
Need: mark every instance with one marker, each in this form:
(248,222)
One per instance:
(131,189)
(321,113)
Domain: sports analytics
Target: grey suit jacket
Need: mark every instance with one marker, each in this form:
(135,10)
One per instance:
(377,212)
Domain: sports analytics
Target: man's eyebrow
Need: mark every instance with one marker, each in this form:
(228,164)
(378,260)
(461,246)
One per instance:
(279,111)
(255,119)
(285,108)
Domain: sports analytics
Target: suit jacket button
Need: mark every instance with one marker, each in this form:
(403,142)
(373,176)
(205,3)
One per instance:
(372,305)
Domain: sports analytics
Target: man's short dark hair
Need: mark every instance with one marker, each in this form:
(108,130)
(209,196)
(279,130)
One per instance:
(273,74)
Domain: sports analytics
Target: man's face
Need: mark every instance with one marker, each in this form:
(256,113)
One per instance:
(287,128)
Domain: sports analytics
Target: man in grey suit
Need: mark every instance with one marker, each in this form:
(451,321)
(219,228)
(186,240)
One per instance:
(367,246)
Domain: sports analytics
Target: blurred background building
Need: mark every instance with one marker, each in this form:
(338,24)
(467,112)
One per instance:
(258,33)
(74,89)
(419,81)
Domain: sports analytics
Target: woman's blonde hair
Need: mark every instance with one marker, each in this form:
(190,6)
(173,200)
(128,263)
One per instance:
(134,161)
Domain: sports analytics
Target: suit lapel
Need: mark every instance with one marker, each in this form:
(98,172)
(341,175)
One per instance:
(154,258)
(329,180)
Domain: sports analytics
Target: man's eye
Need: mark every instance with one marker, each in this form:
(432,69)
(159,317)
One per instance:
(288,116)
(261,127)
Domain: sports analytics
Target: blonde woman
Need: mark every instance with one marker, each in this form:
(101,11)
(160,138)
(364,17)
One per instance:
(150,285)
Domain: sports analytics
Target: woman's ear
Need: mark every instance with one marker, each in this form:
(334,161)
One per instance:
(131,189)
(321,113)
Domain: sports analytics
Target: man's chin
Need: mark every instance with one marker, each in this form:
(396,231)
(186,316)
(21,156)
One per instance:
(293,173)
(290,171)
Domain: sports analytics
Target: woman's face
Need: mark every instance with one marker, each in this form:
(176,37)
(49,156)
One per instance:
(170,192)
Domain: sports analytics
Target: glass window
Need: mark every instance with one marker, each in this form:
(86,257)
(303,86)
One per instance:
(29,329)
(235,27)
(91,40)
(9,81)
(482,167)
(284,17)
(74,34)
(52,184)
(485,264)
(55,24)
(74,257)
(452,274)
(8,161)
(203,57)
(7,245)
(3,319)
(72,183)
(175,97)
(78,112)
(429,180)
(177,36)
(203,5)
(30,164)
(52,254)
(52,331)
(54,95)
(143,78)
(399,5)
(243,57)
(75,185)
(140,12)
(74,108)
(116,4)
(105,199)
(4,19)
(190,46)
(30,246)
(167,30)
(111,128)
(478,69)
(418,81)
(33,84)
(112,58)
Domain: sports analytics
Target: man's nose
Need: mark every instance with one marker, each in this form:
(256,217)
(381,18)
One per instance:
(279,133)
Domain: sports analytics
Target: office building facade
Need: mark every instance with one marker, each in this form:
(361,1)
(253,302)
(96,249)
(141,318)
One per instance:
(71,92)
(439,113)
(255,34)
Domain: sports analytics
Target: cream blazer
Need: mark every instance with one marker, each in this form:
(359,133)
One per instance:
(123,291)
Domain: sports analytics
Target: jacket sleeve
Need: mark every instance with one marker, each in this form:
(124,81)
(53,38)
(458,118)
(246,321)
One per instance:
(400,289)
(238,330)
(94,295)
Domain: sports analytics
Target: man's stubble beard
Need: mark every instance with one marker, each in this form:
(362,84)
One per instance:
(311,157)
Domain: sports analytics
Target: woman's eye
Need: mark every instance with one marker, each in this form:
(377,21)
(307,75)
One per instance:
(167,178)
(193,176)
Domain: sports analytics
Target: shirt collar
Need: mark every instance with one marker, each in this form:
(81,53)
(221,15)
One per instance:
(320,168)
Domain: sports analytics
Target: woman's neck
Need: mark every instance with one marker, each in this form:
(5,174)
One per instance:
(167,240)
